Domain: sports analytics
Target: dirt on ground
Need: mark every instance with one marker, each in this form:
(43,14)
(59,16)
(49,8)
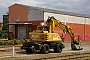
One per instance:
(67,53)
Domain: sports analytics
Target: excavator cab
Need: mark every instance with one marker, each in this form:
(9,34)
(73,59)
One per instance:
(39,29)
(42,28)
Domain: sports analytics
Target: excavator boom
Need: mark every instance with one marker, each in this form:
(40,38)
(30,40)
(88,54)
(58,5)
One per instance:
(52,22)
(44,38)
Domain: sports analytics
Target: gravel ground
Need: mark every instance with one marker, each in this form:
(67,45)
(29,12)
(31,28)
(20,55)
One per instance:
(7,52)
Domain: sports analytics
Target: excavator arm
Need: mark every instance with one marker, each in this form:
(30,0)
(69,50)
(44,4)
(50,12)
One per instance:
(52,22)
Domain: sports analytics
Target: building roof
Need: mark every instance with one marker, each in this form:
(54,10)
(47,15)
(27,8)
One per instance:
(57,11)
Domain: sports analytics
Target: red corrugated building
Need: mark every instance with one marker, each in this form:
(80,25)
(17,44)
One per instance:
(24,19)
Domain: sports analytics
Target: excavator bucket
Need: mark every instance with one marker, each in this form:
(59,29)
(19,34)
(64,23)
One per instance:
(76,46)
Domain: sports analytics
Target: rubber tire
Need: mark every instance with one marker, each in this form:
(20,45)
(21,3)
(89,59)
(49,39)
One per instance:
(44,49)
(58,48)
(29,51)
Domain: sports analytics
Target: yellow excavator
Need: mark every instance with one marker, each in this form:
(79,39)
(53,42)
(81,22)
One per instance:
(44,38)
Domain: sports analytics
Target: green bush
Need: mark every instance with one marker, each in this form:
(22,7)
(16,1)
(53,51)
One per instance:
(22,41)
(4,33)
(9,42)
(2,42)
(16,42)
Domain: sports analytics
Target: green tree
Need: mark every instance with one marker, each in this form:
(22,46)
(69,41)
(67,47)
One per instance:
(4,32)
(5,22)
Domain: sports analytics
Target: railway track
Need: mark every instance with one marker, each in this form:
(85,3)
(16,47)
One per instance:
(85,55)
(70,56)
(67,54)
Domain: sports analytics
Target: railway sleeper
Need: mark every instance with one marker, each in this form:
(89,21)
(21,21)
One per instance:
(79,56)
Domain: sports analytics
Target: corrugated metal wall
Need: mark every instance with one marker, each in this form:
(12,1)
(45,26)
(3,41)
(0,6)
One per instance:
(80,25)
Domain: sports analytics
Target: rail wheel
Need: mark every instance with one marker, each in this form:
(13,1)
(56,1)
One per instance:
(45,49)
(29,51)
(58,48)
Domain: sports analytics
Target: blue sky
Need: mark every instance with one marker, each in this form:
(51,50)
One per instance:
(76,6)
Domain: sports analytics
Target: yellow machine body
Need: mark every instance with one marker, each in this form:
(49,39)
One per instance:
(45,37)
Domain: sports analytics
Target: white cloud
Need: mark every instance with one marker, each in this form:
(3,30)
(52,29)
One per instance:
(76,6)
(6,3)
(31,2)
